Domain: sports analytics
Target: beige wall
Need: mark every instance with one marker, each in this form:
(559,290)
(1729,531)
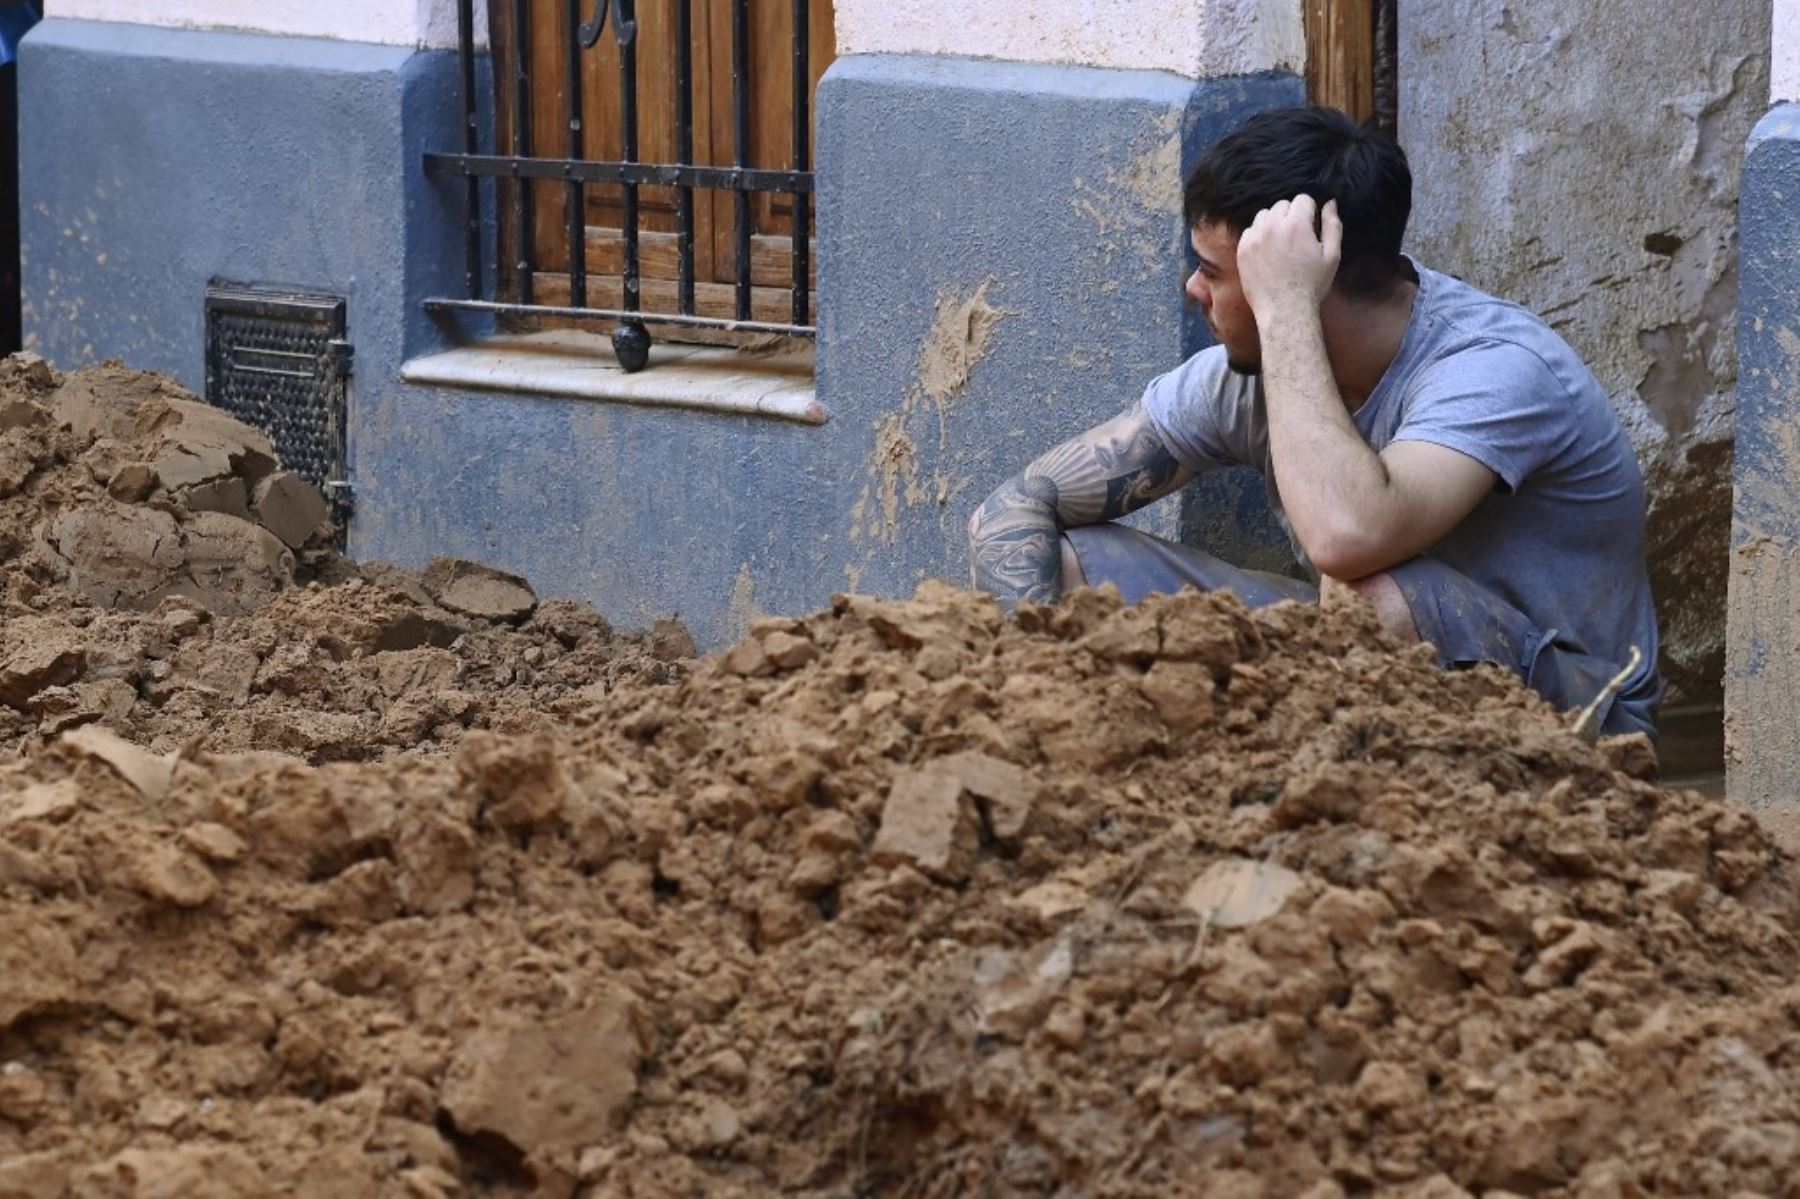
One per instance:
(1784,57)
(1194,38)
(391,22)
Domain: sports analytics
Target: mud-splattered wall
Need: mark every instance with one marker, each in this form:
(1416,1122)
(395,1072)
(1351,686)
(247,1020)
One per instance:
(1583,159)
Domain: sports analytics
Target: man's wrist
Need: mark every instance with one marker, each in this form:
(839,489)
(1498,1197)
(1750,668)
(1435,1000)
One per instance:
(1284,308)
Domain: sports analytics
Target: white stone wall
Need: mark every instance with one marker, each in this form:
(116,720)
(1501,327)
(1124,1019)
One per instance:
(388,22)
(1784,64)
(1194,38)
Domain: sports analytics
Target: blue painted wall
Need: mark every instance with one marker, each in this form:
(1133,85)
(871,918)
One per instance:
(168,158)
(1762,665)
(155,160)
(1058,188)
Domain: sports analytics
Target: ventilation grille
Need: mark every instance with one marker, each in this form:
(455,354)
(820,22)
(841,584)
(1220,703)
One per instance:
(278,360)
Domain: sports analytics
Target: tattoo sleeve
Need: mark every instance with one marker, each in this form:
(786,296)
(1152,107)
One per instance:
(1114,468)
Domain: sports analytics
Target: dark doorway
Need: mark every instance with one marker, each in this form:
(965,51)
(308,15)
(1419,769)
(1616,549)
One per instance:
(16,16)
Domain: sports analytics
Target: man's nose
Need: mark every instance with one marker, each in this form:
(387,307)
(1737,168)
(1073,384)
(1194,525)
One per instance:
(1197,290)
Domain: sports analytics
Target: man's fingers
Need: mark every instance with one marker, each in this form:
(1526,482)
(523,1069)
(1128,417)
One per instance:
(1331,231)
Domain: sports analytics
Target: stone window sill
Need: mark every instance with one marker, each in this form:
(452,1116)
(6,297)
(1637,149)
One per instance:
(581,365)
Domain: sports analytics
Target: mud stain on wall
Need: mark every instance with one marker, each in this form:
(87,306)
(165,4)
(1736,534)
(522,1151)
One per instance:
(961,328)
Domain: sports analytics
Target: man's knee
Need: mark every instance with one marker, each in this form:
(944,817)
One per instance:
(1072,574)
(1380,592)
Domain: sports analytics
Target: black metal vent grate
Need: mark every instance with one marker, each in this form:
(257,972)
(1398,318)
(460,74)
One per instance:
(278,360)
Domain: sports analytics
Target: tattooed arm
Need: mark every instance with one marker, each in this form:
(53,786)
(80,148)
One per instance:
(1115,468)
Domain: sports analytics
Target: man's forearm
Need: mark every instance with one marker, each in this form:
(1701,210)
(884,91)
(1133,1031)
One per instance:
(1334,487)
(1114,468)
(1013,542)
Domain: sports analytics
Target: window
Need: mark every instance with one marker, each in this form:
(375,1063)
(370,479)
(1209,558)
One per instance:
(654,161)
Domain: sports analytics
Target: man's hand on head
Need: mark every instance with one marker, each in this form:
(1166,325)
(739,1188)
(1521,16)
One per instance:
(1289,255)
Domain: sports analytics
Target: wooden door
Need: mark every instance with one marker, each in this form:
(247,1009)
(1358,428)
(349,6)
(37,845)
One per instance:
(771,138)
(1350,57)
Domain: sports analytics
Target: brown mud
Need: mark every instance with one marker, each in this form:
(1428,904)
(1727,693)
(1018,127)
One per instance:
(163,576)
(898,899)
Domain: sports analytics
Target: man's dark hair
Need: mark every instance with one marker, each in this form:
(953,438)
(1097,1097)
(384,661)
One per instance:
(1278,154)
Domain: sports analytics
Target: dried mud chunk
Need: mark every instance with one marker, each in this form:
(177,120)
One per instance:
(233,567)
(185,1172)
(783,779)
(48,802)
(1014,991)
(569,622)
(149,773)
(1567,948)
(18,463)
(226,495)
(928,823)
(747,660)
(132,483)
(165,874)
(365,893)
(1008,791)
(101,402)
(34,1176)
(1128,635)
(1237,893)
(37,967)
(549,1087)
(289,507)
(35,653)
(196,442)
(670,641)
(1330,791)
(118,557)
(17,412)
(788,652)
(1215,635)
(1181,693)
(214,842)
(1050,902)
(471,589)
(521,780)
(437,857)
(1391,1090)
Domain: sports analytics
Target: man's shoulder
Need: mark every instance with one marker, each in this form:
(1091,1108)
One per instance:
(1206,413)
(1470,329)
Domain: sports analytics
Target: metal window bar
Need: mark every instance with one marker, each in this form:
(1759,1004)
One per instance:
(631,340)
(521,144)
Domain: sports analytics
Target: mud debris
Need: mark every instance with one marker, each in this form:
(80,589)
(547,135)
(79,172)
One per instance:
(164,577)
(901,898)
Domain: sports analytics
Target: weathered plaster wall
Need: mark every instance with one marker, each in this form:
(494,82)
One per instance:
(1002,247)
(389,22)
(1762,678)
(1583,160)
(1193,38)
(1784,64)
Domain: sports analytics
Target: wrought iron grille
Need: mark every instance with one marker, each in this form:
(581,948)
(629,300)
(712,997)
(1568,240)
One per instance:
(278,360)
(576,172)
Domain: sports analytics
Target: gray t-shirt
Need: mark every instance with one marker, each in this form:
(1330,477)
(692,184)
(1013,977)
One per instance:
(1561,537)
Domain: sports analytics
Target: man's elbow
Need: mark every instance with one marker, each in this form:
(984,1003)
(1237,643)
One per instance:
(1349,554)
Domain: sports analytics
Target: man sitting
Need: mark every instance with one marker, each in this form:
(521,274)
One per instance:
(1439,452)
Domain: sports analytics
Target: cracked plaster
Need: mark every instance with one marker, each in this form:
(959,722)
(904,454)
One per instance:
(1583,160)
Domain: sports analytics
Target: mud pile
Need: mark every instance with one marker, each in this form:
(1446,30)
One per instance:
(163,575)
(908,899)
